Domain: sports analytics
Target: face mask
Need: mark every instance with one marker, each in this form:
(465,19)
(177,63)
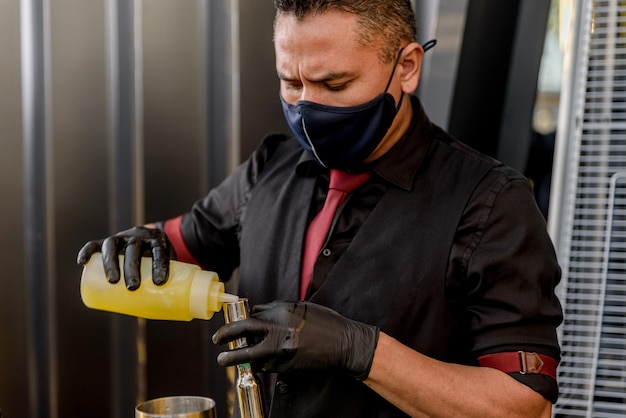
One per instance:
(342,137)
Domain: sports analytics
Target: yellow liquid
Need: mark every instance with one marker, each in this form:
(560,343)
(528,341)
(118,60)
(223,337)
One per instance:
(169,301)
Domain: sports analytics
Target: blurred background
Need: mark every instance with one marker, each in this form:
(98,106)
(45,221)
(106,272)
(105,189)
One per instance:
(119,112)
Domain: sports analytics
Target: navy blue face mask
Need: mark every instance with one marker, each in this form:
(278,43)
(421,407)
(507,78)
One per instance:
(342,137)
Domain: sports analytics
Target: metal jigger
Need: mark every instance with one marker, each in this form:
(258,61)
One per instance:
(248,388)
(177,407)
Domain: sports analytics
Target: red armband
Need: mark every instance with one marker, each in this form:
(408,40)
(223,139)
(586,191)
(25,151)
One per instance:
(175,236)
(522,362)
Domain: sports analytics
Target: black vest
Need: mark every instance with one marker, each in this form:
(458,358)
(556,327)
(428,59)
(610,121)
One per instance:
(391,275)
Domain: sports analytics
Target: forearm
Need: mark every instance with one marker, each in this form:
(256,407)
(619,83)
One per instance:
(424,387)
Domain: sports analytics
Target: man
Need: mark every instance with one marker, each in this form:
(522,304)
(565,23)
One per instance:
(433,292)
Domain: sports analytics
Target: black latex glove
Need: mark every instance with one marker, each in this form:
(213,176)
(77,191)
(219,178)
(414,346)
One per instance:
(300,336)
(134,243)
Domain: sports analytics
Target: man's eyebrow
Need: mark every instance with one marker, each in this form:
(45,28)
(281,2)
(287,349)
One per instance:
(331,76)
(285,77)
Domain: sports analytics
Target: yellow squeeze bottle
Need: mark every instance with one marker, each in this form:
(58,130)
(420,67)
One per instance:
(189,292)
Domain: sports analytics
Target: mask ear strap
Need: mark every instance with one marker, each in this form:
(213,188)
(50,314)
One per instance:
(399,103)
(394,69)
(429,44)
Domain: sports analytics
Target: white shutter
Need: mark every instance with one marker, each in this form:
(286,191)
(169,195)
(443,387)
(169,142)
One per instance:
(588,213)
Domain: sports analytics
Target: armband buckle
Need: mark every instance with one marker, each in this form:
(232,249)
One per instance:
(530,362)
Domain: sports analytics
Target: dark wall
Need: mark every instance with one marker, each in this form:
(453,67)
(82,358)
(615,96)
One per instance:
(181,151)
(13,361)
(497,76)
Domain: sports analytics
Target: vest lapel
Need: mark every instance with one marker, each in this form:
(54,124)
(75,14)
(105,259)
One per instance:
(276,219)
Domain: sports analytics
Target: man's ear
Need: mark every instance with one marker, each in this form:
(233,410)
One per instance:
(410,66)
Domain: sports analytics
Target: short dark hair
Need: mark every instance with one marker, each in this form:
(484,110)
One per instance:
(392,20)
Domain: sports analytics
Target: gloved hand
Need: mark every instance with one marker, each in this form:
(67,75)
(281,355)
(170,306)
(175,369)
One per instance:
(300,336)
(134,243)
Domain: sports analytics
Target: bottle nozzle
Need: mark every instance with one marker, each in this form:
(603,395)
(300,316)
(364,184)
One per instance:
(228,298)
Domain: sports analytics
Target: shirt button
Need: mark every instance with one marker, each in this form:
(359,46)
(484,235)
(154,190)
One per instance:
(326,252)
(281,387)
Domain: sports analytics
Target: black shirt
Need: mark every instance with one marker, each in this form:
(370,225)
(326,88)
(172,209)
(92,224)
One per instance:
(444,249)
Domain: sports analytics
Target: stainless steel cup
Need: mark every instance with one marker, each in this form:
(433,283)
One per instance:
(177,407)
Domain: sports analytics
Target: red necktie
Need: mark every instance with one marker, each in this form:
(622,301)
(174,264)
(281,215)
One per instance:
(341,183)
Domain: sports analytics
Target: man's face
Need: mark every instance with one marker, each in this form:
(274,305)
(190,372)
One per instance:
(320,60)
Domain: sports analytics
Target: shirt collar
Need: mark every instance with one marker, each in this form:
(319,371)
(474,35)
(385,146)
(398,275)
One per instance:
(401,163)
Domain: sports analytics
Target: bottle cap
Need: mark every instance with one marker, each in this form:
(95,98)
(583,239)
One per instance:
(207,295)
(228,298)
